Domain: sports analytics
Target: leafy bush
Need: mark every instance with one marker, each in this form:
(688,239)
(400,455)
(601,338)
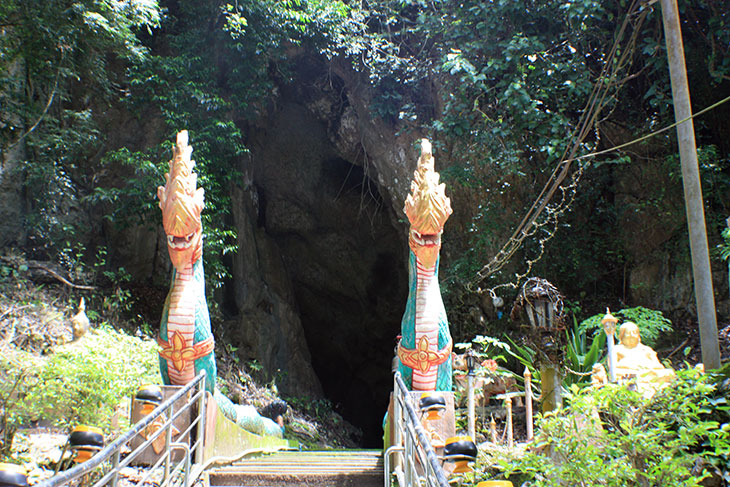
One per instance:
(725,246)
(696,408)
(580,356)
(79,383)
(651,323)
(617,437)
(16,380)
(487,347)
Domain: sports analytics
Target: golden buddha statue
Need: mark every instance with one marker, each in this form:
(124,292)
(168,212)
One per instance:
(634,359)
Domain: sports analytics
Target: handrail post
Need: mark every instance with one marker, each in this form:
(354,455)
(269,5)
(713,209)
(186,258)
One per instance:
(200,442)
(397,413)
(115,467)
(168,442)
(416,442)
(388,467)
(409,459)
(111,453)
(187,453)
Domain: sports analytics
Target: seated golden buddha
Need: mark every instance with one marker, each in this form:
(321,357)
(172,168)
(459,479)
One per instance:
(634,359)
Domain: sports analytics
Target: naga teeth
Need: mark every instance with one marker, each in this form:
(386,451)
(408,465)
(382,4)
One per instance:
(176,242)
(425,240)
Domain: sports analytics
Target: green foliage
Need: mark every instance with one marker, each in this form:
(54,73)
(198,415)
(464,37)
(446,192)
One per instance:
(83,384)
(725,246)
(78,383)
(514,102)
(254,366)
(580,357)
(209,96)
(10,272)
(514,80)
(487,347)
(110,298)
(527,358)
(499,86)
(652,323)
(132,203)
(318,408)
(617,437)
(15,380)
(47,49)
(55,154)
(696,408)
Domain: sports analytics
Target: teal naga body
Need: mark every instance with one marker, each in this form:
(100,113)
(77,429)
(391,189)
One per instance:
(424,351)
(185,339)
(425,338)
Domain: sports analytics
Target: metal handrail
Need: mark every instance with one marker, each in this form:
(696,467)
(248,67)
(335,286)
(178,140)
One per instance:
(411,444)
(171,469)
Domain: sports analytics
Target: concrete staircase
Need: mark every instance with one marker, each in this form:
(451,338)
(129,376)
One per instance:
(332,468)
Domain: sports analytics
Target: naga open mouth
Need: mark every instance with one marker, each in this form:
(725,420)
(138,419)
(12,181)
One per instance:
(426,240)
(180,243)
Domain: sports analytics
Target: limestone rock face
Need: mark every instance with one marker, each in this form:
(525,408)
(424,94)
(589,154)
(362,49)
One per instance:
(652,225)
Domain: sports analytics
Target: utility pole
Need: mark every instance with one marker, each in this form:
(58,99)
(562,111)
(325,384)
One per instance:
(692,189)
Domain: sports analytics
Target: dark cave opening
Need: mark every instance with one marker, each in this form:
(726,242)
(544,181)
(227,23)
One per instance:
(344,257)
(352,350)
(351,319)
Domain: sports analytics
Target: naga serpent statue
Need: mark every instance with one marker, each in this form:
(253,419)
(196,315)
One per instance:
(185,337)
(424,351)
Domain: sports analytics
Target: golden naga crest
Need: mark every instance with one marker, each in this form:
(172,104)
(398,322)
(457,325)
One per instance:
(181,203)
(427,208)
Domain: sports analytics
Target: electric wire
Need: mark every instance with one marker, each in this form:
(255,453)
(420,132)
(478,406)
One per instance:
(561,207)
(652,134)
(528,226)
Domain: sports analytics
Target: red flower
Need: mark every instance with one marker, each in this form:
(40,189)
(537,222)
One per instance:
(490,364)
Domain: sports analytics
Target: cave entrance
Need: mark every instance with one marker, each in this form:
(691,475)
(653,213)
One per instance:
(345,258)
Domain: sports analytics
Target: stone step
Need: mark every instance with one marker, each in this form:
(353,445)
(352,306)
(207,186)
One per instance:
(330,468)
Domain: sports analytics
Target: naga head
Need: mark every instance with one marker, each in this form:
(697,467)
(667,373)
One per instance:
(427,209)
(181,204)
